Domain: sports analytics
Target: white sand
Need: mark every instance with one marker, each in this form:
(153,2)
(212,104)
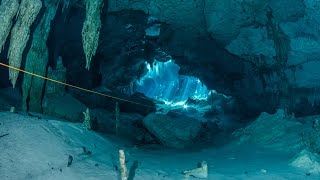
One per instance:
(39,148)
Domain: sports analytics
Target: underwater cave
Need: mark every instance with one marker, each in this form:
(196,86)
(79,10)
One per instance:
(118,89)
(163,82)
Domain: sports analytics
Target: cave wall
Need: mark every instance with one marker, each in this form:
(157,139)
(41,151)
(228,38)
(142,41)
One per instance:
(257,50)
(265,53)
(185,15)
(242,27)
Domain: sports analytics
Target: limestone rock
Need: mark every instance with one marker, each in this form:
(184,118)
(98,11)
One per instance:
(201,172)
(65,107)
(20,34)
(37,60)
(87,123)
(91,29)
(304,46)
(313,10)
(8,9)
(277,131)
(58,74)
(284,12)
(55,93)
(130,125)
(312,135)
(304,54)
(173,131)
(307,161)
(254,42)
(226,17)
(181,14)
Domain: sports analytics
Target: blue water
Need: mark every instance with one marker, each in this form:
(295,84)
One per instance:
(163,82)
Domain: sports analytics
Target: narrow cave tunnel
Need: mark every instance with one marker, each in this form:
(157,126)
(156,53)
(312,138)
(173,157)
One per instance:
(113,89)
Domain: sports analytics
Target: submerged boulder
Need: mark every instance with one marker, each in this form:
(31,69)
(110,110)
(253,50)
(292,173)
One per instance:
(277,131)
(311,135)
(65,107)
(177,131)
(130,125)
(307,161)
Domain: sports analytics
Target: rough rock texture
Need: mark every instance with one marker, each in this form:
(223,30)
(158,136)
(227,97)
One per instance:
(37,60)
(91,29)
(247,49)
(28,11)
(130,125)
(39,149)
(294,49)
(253,41)
(173,131)
(307,161)
(64,107)
(279,41)
(8,9)
(284,12)
(311,135)
(304,53)
(186,15)
(121,43)
(277,131)
(55,100)
(124,49)
(58,74)
(225,18)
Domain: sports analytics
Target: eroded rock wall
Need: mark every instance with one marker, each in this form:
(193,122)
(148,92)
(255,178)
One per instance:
(277,41)
(265,53)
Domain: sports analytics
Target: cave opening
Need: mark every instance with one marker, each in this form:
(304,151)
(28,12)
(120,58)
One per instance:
(164,83)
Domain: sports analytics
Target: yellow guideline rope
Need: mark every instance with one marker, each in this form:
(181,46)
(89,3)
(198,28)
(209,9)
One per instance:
(76,87)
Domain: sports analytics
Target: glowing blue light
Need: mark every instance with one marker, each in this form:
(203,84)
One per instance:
(164,83)
(148,66)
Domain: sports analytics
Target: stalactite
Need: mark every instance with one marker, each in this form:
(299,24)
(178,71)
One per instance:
(91,29)
(66,4)
(282,48)
(27,13)
(37,60)
(8,9)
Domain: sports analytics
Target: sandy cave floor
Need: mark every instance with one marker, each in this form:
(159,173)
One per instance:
(39,149)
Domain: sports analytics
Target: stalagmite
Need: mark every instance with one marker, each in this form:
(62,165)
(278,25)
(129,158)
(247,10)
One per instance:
(8,9)
(54,90)
(59,74)
(91,29)
(20,33)
(37,60)
(87,119)
(123,167)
